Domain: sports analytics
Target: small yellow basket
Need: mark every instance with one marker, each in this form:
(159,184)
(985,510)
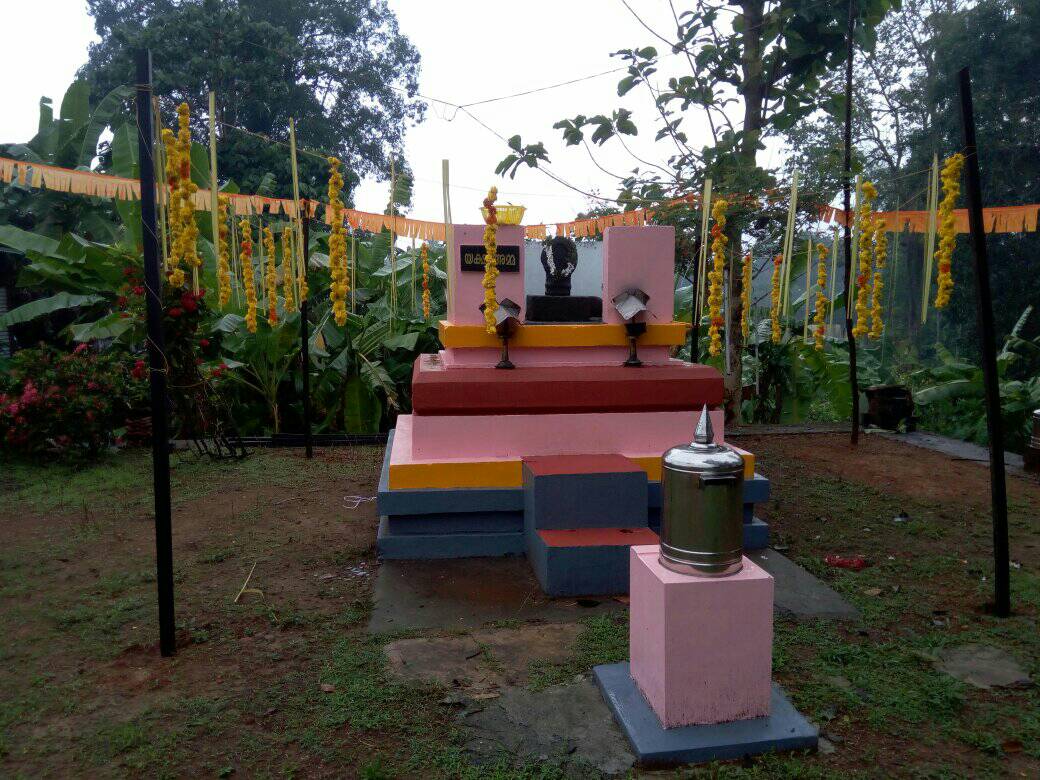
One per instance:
(507,214)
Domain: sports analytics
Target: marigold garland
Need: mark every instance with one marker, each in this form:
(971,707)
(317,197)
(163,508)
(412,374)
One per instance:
(718,254)
(246,257)
(774,297)
(174,274)
(820,315)
(301,265)
(425,255)
(490,259)
(340,284)
(186,247)
(287,276)
(866,243)
(951,184)
(877,324)
(745,297)
(270,277)
(223,251)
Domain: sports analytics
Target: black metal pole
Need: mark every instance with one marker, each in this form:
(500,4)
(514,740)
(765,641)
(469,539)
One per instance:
(157,360)
(984,309)
(305,347)
(846,191)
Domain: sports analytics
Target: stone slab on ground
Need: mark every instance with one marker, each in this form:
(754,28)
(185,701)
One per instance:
(956,448)
(570,724)
(783,729)
(798,593)
(983,666)
(467,593)
(484,659)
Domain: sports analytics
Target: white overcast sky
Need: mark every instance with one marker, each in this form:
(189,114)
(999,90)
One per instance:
(471,50)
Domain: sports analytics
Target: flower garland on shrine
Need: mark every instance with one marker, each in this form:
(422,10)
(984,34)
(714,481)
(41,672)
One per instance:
(951,184)
(745,297)
(287,265)
(425,255)
(490,259)
(340,284)
(246,257)
(270,277)
(774,298)
(223,252)
(877,324)
(718,254)
(866,242)
(820,314)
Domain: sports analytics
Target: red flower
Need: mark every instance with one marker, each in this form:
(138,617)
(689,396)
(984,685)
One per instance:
(190,306)
(129,271)
(138,290)
(121,301)
(80,349)
(204,343)
(175,311)
(92,385)
(90,415)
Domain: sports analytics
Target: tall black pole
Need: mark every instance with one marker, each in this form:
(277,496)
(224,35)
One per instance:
(984,309)
(846,188)
(305,347)
(156,354)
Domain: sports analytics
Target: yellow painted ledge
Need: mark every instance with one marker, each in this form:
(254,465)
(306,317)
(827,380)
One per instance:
(669,334)
(499,473)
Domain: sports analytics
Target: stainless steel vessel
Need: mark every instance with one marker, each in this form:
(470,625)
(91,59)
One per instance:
(702,514)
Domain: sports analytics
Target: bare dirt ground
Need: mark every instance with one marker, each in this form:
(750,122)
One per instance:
(287,682)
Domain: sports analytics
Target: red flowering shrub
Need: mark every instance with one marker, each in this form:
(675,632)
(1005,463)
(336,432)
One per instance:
(70,402)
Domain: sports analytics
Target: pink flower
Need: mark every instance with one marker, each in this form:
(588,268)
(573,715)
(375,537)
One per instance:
(80,349)
(13,409)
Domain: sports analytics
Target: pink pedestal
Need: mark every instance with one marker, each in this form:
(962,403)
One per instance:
(469,285)
(701,647)
(641,257)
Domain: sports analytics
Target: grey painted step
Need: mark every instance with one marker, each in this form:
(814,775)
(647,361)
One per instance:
(798,593)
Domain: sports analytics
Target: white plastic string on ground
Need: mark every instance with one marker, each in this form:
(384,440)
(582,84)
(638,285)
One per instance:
(353,502)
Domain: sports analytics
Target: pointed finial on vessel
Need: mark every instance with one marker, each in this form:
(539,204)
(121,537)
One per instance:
(704,433)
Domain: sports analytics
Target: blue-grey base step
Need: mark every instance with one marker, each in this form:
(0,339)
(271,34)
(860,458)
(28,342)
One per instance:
(419,546)
(783,729)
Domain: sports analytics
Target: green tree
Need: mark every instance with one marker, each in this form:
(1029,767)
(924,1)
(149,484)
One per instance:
(341,68)
(755,69)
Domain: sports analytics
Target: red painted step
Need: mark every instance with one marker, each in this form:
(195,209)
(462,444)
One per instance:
(598,537)
(677,386)
(559,465)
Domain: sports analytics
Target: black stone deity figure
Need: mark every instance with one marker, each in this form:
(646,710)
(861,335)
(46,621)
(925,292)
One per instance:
(559,259)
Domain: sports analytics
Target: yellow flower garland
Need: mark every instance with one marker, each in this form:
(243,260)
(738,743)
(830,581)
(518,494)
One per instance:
(223,251)
(745,297)
(340,284)
(490,259)
(774,297)
(951,184)
(246,256)
(718,254)
(877,324)
(301,266)
(866,243)
(270,277)
(820,315)
(187,249)
(175,275)
(287,265)
(425,255)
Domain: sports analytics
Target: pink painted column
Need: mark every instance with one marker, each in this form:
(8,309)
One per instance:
(468,291)
(701,648)
(642,257)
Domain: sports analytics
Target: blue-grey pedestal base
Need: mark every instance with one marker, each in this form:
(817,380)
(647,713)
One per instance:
(784,729)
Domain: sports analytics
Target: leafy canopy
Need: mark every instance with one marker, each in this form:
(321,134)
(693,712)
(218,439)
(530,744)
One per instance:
(341,68)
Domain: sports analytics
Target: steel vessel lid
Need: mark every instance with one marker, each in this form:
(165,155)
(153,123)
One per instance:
(703,455)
